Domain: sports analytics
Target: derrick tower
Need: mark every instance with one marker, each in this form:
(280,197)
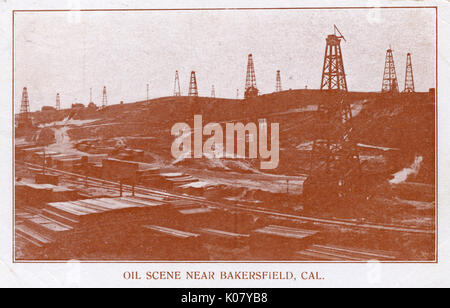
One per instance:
(333,73)
(250,82)
(390,83)
(176,85)
(193,90)
(24,116)
(409,79)
(104,98)
(90,97)
(213,92)
(334,169)
(58,102)
(278,85)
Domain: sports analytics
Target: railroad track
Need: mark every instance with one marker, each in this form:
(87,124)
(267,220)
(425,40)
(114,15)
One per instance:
(113,186)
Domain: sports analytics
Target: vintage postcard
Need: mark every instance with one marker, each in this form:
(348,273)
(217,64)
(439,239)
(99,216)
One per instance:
(270,144)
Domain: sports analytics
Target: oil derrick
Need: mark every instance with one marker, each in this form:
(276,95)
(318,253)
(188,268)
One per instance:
(278,86)
(24,116)
(176,85)
(90,97)
(237,93)
(213,92)
(335,168)
(104,98)
(409,79)
(148,89)
(58,102)
(333,74)
(250,81)
(390,83)
(193,90)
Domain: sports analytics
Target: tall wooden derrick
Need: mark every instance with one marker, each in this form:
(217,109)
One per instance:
(333,73)
(250,81)
(390,82)
(335,168)
(193,89)
(176,85)
(409,78)
(58,102)
(24,115)
(104,98)
(278,82)
(91,102)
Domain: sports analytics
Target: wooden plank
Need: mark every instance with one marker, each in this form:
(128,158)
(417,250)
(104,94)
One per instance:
(60,218)
(330,255)
(32,235)
(222,233)
(97,204)
(285,232)
(171,232)
(142,202)
(307,255)
(350,251)
(193,211)
(70,208)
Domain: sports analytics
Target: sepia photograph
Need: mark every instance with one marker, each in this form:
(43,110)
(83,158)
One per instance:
(297,135)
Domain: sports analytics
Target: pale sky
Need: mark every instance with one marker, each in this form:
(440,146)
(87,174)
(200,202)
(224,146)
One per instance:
(71,52)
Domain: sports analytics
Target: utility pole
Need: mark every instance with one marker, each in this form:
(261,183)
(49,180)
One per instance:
(43,162)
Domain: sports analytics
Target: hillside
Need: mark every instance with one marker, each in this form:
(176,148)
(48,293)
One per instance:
(395,136)
(405,125)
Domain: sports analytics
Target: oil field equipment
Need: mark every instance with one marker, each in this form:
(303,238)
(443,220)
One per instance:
(193,90)
(390,82)
(250,81)
(409,79)
(335,168)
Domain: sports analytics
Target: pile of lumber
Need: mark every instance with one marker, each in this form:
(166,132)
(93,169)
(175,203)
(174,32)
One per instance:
(35,194)
(280,242)
(75,228)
